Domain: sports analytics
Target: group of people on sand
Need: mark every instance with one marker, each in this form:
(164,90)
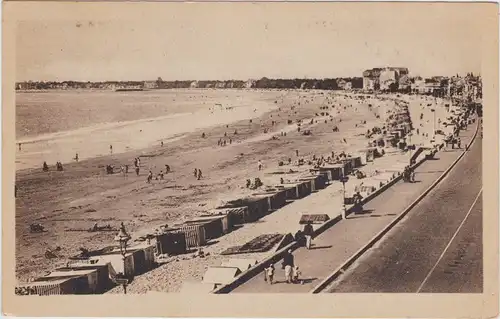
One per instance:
(45,167)
(159,176)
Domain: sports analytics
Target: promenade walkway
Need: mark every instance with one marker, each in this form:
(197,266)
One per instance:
(334,246)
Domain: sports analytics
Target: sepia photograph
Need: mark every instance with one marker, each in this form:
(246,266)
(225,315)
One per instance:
(243,150)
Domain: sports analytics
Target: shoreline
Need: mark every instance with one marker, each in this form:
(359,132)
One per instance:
(133,135)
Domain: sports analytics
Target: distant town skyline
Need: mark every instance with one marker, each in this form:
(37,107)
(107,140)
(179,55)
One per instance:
(248,42)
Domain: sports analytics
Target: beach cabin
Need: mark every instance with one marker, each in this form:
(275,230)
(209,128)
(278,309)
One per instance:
(90,287)
(100,283)
(320,181)
(348,167)
(119,264)
(335,171)
(57,286)
(220,275)
(275,198)
(236,215)
(369,154)
(390,140)
(257,206)
(356,161)
(291,190)
(225,219)
(194,233)
(212,227)
(144,257)
(172,242)
(310,182)
(304,187)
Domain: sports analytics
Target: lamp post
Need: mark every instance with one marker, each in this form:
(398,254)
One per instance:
(344,180)
(434,125)
(122,238)
(409,144)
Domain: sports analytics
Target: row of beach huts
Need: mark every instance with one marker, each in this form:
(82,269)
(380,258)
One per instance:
(98,273)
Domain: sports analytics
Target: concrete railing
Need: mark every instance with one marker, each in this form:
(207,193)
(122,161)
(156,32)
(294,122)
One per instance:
(337,272)
(259,267)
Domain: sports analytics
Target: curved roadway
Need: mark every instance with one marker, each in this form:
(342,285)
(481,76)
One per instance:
(437,247)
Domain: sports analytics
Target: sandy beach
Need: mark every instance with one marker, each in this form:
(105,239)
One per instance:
(83,193)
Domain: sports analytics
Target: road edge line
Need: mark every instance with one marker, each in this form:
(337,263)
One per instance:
(322,285)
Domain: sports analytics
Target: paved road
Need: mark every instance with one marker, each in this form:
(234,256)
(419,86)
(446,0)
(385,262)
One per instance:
(437,247)
(333,247)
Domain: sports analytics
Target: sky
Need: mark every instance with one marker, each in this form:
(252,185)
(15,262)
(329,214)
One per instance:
(239,41)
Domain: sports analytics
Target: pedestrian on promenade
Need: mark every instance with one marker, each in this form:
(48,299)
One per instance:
(288,274)
(287,265)
(295,274)
(308,233)
(299,237)
(269,274)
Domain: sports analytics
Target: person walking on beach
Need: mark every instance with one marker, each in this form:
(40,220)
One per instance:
(167,169)
(269,274)
(76,157)
(308,233)
(150,177)
(126,169)
(111,149)
(260,165)
(199,174)
(459,143)
(195,172)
